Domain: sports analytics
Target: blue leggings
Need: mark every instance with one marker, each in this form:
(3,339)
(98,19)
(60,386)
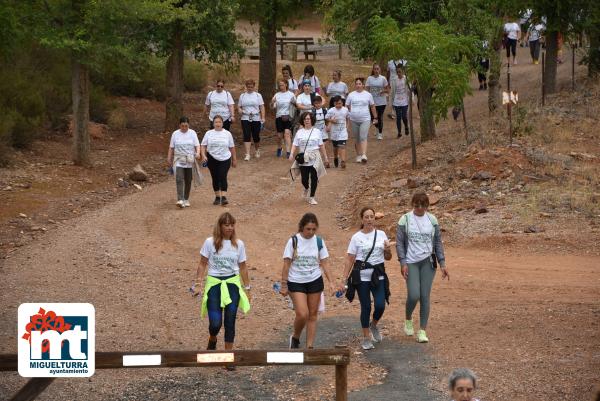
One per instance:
(215,312)
(364,295)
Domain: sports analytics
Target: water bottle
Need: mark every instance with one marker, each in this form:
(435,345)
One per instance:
(170,170)
(205,163)
(340,293)
(276,287)
(262,126)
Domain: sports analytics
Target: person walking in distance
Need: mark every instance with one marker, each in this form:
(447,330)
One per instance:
(183,150)
(361,106)
(309,75)
(369,248)
(220,102)
(336,88)
(286,72)
(337,118)
(419,247)
(308,146)
(305,259)
(320,112)
(534,34)
(282,102)
(513,33)
(218,151)
(252,110)
(223,291)
(378,86)
(400,102)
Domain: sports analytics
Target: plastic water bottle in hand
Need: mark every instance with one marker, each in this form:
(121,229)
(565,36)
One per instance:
(340,293)
(276,287)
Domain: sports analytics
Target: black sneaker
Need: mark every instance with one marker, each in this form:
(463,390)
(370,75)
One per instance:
(399,135)
(406,133)
(335,161)
(212,345)
(217,200)
(294,342)
(224,201)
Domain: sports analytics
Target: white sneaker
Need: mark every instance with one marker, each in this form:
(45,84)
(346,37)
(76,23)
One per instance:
(367,344)
(358,159)
(180,204)
(186,203)
(257,154)
(379,137)
(247,157)
(312,201)
(305,194)
(363,158)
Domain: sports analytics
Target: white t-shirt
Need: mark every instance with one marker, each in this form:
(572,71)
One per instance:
(535,31)
(512,30)
(225,262)
(314,82)
(250,104)
(339,132)
(359,105)
(218,143)
(184,143)
(376,86)
(305,266)
(337,89)
(392,66)
(401,95)
(360,245)
(283,100)
(420,238)
(314,140)
(320,121)
(219,104)
(305,100)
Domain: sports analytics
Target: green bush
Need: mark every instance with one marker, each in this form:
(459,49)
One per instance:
(145,79)
(195,76)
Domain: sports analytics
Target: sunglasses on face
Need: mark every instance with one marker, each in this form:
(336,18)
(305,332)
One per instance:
(220,86)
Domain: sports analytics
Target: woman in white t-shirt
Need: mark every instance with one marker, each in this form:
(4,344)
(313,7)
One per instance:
(304,103)
(252,110)
(419,247)
(512,30)
(224,256)
(183,150)
(369,248)
(378,86)
(220,102)
(337,123)
(361,105)
(305,258)
(336,88)
(218,151)
(400,102)
(286,71)
(309,142)
(282,102)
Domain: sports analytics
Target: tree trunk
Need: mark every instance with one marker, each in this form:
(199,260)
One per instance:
(413,145)
(594,53)
(494,85)
(267,67)
(427,122)
(80,96)
(551,65)
(174,81)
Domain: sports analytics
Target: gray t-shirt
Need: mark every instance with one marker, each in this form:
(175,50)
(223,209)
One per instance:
(376,86)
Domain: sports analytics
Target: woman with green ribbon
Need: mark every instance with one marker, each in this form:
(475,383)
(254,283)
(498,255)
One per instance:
(225,258)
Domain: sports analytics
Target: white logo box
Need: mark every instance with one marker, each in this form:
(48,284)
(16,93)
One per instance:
(78,361)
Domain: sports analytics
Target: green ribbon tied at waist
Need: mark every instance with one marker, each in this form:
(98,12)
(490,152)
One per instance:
(244,304)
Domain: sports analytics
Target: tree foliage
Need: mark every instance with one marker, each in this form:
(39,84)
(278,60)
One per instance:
(438,63)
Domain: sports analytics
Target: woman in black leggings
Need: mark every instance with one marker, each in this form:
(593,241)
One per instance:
(218,150)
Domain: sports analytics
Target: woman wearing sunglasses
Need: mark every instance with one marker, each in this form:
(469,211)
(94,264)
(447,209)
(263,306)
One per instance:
(220,103)
(419,247)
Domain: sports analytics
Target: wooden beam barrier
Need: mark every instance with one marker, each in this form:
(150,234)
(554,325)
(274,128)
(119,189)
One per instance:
(338,357)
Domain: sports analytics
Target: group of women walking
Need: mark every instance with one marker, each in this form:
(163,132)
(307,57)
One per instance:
(223,281)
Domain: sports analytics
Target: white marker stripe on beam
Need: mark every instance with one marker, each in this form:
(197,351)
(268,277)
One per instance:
(215,357)
(142,360)
(285,357)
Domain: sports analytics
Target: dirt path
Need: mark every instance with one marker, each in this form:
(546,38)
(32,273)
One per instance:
(134,260)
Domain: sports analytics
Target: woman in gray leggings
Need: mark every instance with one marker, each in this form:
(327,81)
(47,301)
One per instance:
(418,243)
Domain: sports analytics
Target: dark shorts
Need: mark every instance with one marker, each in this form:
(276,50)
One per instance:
(307,288)
(339,144)
(281,125)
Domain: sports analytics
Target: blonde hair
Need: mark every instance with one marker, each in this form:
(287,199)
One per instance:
(225,218)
